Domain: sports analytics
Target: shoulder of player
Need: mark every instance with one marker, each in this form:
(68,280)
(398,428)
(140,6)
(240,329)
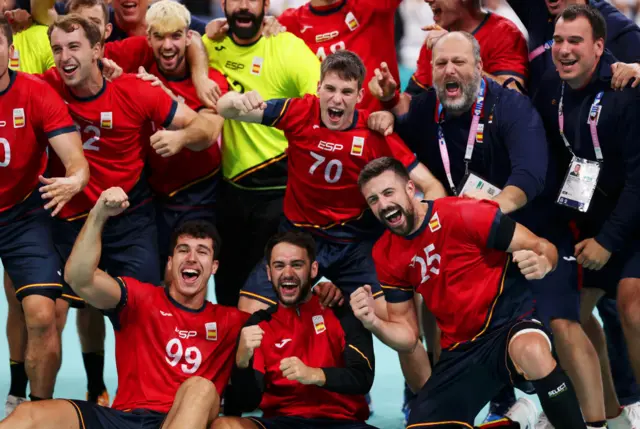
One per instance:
(29,82)
(504,25)
(382,246)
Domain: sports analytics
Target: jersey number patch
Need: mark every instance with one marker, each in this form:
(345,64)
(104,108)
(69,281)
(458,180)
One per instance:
(322,54)
(7,152)
(332,171)
(426,263)
(175,353)
(89,144)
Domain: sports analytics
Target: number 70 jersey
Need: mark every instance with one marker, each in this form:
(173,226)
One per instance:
(160,344)
(323,165)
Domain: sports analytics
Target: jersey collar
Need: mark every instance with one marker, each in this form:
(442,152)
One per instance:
(12,78)
(327,10)
(425,222)
(182,307)
(93,97)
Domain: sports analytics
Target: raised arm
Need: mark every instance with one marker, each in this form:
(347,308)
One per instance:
(247,107)
(208,91)
(81,272)
(427,182)
(187,129)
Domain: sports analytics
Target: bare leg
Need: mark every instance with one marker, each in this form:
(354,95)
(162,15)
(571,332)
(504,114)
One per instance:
(196,405)
(17,339)
(91,330)
(233,423)
(55,414)
(629,309)
(43,344)
(415,367)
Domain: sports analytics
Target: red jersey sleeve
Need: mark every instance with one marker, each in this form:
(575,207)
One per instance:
(380,4)
(509,53)
(131,291)
(290,115)
(259,363)
(289,19)
(153,103)
(53,116)
(479,220)
(401,152)
(52,77)
(423,76)
(130,53)
(394,287)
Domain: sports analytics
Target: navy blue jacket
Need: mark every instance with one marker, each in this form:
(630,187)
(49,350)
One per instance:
(615,209)
(623,35)
(514,149)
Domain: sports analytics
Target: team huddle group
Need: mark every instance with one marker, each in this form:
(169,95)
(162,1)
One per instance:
(471,222)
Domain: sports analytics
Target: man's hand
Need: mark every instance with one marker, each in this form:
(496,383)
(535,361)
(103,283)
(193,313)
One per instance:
(363,306)
(623,73)
(249,102)
(381,122)
(217,29)
(434,33)
(272,27)
(144,75)
(250,339)
(293,369)
(330,295)
(532,265)
(112,202)
(19,19)
(167,143)
(208,92)
(383,86)
(59,190)
(591,255)
(111,70)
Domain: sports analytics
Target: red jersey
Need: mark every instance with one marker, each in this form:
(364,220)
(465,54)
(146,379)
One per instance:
(320,338)
(160,344)
(503,50)
(323,165)
(115,126)
(451,262)
(365,27)
(130,53)
(169,175)
(30,114)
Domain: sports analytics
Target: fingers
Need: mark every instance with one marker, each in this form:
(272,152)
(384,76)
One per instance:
(46,181)
(579,248)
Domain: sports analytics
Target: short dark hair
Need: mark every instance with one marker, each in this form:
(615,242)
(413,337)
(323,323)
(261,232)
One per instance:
(593,15)
(297,238)
(379,166)
(197,228)
(345,64)
(70,23)
(74,5)
(5,28)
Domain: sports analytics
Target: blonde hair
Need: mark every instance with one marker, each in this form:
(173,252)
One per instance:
(167,16)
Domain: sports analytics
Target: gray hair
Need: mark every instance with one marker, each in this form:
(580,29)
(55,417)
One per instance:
(475,46)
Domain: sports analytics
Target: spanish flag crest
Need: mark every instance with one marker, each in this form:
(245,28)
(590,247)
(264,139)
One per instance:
(318,324)
(351,21)
(106,120)
(256,65)
(14,61)
(434,223)
(18,118)
(212,331)
(357,147)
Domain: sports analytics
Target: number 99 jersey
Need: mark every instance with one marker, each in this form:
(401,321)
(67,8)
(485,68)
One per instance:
(160,344)
(324,165)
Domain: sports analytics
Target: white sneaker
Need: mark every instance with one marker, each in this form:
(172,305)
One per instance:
(543,422)
(12,403)
(633,411)
(628,419)
(524,411)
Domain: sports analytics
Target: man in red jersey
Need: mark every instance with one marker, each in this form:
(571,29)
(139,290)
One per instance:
(32,117)
(365,27)
(329,143)
(170,342)
(115,120)
(305,365)
(185,185)
(455,252)
(503,50)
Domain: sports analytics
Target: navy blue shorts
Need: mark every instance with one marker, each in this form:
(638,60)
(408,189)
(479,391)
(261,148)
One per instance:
(27,250)
(197,202)
(288,422)
(129,247)
(557,295)
(348,265)
(93,416)
(624,264)
(466,378)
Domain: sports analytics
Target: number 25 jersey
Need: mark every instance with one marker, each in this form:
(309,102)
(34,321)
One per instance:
(469,286)
(160,344)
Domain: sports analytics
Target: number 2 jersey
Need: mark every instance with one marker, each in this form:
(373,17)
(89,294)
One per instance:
(30,114)
(457,261)
(160,344)
(115,126)
(365,27)
(323,193)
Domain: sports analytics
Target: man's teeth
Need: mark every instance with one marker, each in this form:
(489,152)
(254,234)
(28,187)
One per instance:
(168,55)
(568,63)
(69,69)
(129,4)
(392,214)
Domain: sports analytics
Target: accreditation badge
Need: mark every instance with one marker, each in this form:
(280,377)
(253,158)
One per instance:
(579,184)
(473,183)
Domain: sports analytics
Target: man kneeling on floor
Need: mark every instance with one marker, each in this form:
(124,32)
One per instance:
(306,366)
(170,342)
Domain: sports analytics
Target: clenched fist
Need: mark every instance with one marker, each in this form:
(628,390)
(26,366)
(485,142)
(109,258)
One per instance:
(112,202)
(363,306)
(293,369)
(250,339)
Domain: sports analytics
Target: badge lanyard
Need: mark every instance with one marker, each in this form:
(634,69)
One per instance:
(540,50)
(471,140)
(593,126)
